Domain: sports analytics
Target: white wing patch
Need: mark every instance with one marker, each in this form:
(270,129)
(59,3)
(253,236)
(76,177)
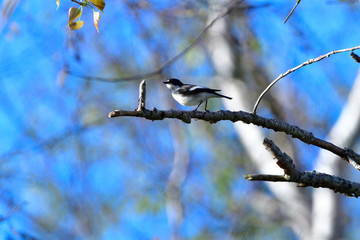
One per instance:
(196,87)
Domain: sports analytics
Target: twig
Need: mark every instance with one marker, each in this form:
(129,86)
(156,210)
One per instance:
(310,61)
(142,96)
(292,10)
(172,60)
(49,143)
(355,57)
(80,3)
(284,161)
(306,178)
(313,179)
(10,213)
(266,177)
(213,117)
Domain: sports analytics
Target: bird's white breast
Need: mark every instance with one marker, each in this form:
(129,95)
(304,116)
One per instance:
(193,100)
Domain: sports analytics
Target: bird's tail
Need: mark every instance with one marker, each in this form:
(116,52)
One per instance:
(223,96)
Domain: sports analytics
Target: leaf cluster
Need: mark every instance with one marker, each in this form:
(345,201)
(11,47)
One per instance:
(75,13)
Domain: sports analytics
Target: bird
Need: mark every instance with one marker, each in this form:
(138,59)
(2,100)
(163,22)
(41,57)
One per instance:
(191,95)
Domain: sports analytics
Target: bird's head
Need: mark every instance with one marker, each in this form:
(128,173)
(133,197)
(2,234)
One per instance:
(173,83)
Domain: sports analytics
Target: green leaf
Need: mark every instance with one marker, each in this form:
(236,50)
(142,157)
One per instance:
(76,25)
(99,4)
(96,16)
(74,13)
(58,4)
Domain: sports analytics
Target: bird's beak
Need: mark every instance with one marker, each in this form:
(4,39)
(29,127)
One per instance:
(166,82)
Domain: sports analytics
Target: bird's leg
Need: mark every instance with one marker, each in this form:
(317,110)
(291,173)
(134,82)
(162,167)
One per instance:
(197,106)
(206,106)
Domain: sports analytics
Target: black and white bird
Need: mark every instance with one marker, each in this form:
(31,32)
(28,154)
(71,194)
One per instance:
(191,95)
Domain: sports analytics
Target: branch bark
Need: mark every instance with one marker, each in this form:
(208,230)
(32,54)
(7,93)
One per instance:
(213,117)
(306,178)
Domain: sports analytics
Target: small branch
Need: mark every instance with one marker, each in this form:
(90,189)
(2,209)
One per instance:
(292,10)
(213,117)
(304,179)
(80,3)
(355,57)
(265,177)
(310,61)
(314,179)
(284,161)
(142,96)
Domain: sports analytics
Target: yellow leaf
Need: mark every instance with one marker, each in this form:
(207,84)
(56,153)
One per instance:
(58,4)
(74,13)
(99,4)
(76,25)
(96,16)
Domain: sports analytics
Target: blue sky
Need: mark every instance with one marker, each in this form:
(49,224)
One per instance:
(112,163)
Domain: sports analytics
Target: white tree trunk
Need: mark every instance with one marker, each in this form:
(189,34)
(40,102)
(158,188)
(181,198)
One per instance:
(292,203)
(325,202)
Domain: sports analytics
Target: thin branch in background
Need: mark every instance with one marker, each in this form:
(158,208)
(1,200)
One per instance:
(11,211)
(231,7)
(292,10)
(178,174)
(53,141)
(308,62)
(306,178)
(7,9)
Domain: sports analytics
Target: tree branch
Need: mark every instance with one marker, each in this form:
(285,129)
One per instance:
(306,178)
(276,125)
(310,61)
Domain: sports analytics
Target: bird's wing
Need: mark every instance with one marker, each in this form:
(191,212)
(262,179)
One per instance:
(194,89)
